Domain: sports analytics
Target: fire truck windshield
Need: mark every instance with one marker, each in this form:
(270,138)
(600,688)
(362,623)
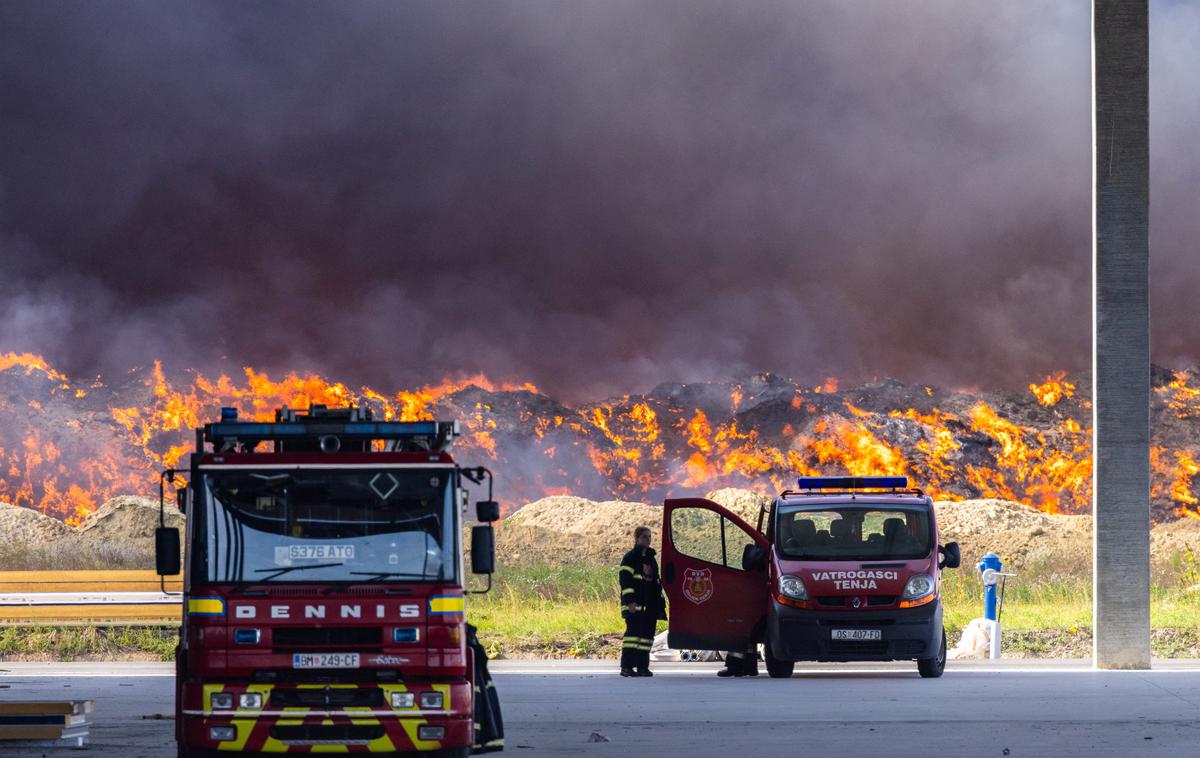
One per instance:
(323,525)
(853,533)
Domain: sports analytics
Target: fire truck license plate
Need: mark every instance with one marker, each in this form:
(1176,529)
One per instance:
(325,660)
(858,635)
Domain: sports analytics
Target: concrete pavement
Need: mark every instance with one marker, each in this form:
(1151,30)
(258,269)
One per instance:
(551,708)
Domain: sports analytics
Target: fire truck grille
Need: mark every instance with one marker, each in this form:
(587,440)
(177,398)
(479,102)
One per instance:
(327,698)
(334,734)
(346,637)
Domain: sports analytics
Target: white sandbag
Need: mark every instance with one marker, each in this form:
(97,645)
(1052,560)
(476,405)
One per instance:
(976,641)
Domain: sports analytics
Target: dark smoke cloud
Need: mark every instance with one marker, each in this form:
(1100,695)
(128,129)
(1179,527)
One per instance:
(593,196)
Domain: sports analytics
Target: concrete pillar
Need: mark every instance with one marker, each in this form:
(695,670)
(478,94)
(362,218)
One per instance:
(1121,333)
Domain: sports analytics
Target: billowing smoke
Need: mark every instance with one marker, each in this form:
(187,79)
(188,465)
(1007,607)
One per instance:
(594,196)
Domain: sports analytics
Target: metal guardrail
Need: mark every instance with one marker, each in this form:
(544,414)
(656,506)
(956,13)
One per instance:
(42,597)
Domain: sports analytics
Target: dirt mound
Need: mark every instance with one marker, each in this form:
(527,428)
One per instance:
(970,517)
(565,529)
(120,534)
(1174,537)
(744,503)
(127,518)
(26,526)
(1022,536)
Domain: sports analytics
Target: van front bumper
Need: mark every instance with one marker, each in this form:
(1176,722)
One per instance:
(801,634)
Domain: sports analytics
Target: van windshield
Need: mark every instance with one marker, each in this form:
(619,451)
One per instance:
(860,532)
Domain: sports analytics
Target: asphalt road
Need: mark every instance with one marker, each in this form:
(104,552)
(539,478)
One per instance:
(553,709)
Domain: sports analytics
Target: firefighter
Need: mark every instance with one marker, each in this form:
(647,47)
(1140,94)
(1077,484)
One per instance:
(741,662)
(642,604)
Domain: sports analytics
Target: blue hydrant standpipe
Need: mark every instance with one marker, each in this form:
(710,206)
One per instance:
(991,572)
(991,604)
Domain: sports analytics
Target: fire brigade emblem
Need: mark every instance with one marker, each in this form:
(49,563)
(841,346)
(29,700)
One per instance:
(697,585)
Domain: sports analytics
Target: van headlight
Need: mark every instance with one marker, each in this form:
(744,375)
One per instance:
(793,587)
(919,586)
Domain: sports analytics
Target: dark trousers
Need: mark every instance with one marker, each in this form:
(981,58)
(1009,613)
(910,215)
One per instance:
(639,636)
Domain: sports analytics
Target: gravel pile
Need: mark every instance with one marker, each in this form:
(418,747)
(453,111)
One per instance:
(120,534)
(23,525)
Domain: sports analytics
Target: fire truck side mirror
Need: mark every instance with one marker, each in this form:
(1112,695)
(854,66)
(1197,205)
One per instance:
(483,550)
(753,557)
(166,551)
(181,499)
(951,555)
(487,511)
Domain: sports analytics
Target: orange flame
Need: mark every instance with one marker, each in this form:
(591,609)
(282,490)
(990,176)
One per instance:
(633,448)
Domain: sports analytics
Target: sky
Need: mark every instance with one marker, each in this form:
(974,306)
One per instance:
(594,196)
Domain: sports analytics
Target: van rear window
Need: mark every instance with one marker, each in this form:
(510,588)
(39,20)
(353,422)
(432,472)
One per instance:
(859,532)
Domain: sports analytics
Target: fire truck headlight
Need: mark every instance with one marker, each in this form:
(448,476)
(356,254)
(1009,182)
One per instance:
(793,587)
(403,699)
(431,700)
(221,700)
(250,700)
(431,733)
(222,733)
(919,586)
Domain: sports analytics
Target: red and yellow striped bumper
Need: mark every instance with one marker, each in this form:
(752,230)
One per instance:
(316,728)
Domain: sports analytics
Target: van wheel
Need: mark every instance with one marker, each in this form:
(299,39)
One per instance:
(776,668)
(932,668)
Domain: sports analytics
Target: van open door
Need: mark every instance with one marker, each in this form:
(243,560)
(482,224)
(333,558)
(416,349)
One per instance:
(716,604)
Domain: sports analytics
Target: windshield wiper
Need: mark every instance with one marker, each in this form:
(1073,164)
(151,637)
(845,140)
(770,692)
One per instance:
(287,569)
(377,576)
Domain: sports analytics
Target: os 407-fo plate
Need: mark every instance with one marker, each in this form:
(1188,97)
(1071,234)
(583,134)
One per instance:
(325,661)
(858,635)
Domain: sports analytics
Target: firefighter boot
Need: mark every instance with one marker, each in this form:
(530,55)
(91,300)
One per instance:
(739,664)
(643,664)
(628,660)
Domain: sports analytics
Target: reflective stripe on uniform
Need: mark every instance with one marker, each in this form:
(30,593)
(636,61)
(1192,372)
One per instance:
(627,568)
(627,591)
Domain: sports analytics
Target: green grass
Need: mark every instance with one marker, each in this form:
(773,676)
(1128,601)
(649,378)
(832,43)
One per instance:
(572,611)
(74,643)
(569,611)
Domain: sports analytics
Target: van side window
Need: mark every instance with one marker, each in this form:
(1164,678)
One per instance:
(697,533)
(708,536)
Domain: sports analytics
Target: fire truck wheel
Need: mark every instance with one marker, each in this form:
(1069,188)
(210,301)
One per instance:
(776,668)
(932,668)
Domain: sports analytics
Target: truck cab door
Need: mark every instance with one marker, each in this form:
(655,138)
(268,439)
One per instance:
(715,603)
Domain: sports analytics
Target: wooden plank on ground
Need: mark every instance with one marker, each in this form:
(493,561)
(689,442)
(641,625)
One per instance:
(84,581)
(35,707)
(99,613)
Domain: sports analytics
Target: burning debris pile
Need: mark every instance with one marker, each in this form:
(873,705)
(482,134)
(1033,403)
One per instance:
(65,447)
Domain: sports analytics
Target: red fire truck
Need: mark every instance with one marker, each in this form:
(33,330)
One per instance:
(845,569)
(324,586)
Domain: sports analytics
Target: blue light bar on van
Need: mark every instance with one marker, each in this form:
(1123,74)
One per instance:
(853,482)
